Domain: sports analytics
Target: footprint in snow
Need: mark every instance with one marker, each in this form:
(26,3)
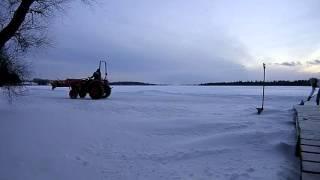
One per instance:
(82,161)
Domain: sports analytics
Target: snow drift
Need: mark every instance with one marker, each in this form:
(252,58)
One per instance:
(150,132)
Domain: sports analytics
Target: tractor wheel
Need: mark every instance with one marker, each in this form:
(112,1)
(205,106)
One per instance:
(82,93)
(96,91)
(107,91)
(73,94)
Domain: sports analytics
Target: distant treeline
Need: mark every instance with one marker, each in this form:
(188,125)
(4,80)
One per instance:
(260,83)
(39,81)
(130,83)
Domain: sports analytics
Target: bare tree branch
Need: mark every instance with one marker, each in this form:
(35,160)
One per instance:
(16,15)
(19,16)
(23,25)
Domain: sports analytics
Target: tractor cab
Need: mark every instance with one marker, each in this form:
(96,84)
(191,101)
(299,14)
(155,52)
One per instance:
(105,69)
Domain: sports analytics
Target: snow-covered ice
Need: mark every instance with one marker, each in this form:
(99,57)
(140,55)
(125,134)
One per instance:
(150,132)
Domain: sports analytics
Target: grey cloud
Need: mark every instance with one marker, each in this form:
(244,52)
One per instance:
(289,64)
(314,62)
(152,62)
(144,49)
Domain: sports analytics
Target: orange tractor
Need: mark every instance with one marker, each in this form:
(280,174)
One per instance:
(97,88)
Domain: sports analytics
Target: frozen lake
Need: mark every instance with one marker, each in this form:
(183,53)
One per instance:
(150,132)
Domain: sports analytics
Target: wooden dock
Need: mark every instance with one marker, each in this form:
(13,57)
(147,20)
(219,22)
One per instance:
(308,140)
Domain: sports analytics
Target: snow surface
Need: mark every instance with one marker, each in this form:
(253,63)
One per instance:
(150,132)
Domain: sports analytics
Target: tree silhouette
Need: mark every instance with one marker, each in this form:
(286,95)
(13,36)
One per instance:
(23,25)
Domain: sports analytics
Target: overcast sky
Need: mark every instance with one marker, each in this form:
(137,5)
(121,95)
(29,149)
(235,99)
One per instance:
(184,41)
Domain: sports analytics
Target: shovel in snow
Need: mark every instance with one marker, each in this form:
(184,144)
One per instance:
(264,79)
(260,110)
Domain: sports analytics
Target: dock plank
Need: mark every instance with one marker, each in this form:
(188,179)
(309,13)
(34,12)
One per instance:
(310,157)
(308,142)
(310,136)
(310,176)
(311,167)
(312,149)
